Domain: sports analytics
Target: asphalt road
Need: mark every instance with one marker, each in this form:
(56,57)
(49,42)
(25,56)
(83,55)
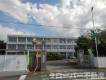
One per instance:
(10,78)
(52,67)
(64,66)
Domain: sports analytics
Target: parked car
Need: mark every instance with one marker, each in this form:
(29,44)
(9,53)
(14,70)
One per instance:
(73,61)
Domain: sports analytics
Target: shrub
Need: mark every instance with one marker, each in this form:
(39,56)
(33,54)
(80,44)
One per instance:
(54,56)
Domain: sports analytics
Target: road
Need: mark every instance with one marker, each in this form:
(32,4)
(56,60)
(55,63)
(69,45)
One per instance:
(54,66)
(64,66)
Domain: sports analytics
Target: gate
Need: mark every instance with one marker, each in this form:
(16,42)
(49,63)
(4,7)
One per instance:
(87,60)
(13,63)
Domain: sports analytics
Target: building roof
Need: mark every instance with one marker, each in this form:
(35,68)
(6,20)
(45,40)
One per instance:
(43,36)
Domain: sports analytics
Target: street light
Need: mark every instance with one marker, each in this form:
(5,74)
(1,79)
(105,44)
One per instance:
(94,31)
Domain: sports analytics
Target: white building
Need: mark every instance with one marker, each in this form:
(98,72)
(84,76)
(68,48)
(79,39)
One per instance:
(17,44)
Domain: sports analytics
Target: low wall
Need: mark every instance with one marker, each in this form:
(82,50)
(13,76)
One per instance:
(13,62)
(100,62)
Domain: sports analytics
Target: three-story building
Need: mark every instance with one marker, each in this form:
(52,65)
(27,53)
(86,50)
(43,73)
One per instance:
(17,44)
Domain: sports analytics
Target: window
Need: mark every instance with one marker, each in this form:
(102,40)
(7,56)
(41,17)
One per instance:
(47,39)
(30,47)
(55,47)
(21,47)
(73,41)
(55,40)
(69,47)
(22,39)
(39,39)
(12,39)
(11,46)
(62,41)
(62,47)
(29,39)
(39,47)
(48,47)
(12,53)
(69,40)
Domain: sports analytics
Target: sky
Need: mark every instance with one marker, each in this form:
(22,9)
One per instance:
(70,18)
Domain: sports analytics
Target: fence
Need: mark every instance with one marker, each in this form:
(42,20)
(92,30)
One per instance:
(13,62)
(100,62)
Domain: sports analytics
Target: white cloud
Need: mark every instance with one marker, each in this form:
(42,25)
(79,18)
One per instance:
(71,14)
(16,8)
(4,31)
(65,17)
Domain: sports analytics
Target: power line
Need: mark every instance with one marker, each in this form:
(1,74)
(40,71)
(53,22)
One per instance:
(15,22)
(37,25)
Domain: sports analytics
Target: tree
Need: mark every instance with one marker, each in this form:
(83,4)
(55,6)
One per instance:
(2,47)
(84,43)
(102,45)
(103,38)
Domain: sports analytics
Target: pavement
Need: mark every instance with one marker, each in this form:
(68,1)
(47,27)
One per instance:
(64,66)
(52,66)
(11,73)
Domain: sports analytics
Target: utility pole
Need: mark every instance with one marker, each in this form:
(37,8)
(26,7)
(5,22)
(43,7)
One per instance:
(96,45)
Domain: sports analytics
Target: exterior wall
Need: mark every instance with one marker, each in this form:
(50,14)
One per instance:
(100,62)
(20,43)
(13,62)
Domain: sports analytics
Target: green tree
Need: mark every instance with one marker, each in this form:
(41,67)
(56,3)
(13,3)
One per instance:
(103,38)
(84,42)
(101,43)
(2,47)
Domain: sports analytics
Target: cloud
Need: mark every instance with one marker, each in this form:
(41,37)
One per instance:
(72,16)
(4,31)
(16,8)
(68,18)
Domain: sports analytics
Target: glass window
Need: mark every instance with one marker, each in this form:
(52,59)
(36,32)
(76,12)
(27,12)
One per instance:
(69,40)
(69,47)
(12,39)
(38,46)
(11,46)
(62,47)
(73,41)
(47,46)
(30,47)
(47,39)
(12,53)
(21,47)
(55,40)
(55,47)
(39,39)
(29,39)
(62,41)
(22,39)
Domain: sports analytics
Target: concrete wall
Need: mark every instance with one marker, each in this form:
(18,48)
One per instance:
(100,62)
(13,62)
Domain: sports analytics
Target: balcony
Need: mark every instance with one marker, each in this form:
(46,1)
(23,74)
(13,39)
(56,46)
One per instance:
(60,50)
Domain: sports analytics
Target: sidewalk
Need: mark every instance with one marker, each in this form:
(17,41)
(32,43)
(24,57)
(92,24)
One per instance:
(11,73)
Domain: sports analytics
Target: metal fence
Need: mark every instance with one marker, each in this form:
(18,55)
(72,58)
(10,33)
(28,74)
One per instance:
(13,62)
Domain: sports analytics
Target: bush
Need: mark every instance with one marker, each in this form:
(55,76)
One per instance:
(54,56)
